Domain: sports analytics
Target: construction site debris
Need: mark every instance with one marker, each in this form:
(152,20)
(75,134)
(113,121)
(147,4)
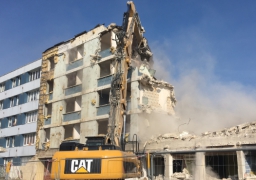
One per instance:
(182,175)
(244,129)
(183,136)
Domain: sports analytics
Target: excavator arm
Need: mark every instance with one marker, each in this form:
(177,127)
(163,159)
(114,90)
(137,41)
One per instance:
(131,29)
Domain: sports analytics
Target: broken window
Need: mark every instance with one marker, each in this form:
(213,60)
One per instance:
(74,78)
(50,86)
(104,96)
(102,126)
(158,166)
(51,64)
(73,104)
(75,53)
(72,132)
(47,135)
(107,68)
(48,110)
(222,165)
(106,41)
(250,162)
(183,163)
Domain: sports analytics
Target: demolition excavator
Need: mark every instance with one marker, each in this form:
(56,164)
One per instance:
(104,157)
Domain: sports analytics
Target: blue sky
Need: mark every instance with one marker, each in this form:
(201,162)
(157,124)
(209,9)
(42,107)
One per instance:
(206,49)
(226,29)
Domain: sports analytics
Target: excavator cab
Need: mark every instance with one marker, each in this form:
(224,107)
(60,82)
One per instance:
(93,160)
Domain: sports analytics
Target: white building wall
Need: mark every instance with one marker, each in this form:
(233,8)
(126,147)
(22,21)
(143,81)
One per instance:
(20,150)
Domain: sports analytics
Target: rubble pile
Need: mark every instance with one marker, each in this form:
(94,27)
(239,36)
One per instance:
(145,79)
(182,136)
(246,128)
(182,175)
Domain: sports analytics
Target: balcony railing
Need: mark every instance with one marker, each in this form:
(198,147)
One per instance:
(102,110)
(73,89)
(72,116)
(105,53)
(74,64)
(104,80)
(47,121)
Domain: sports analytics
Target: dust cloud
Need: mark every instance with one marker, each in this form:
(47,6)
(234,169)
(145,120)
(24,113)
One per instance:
(204,101)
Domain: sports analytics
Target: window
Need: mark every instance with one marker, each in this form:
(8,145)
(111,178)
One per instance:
(33,95)
(13,139)
(14,101)
(1,105)
(13,82)
(34,75)
(6,160)
(18,80)
(8,141)
(2,87)
(31,117)
(12,121)
(29,139)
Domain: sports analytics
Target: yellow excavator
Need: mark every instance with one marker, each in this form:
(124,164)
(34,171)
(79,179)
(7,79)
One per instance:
(104,157)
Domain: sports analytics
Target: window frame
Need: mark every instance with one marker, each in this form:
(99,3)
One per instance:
(2,87)
(14,82)
(8,142)
(29,139)
(31,117)
(10,121)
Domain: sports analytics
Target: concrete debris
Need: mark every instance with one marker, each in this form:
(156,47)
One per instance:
(146,108)
(111,26)
(183,136)
(147,80)
(182,175)
(244,129)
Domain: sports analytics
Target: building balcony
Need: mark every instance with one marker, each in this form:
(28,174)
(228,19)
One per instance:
(71,116)
(74,64)
(47,121)
(73,89)
(104,80)
(102,110)
(105,53)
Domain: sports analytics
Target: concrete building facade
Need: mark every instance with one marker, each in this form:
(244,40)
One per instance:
(19,97)
(75,87)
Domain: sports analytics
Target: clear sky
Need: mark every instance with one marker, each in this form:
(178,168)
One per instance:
(225,29)
(206,48)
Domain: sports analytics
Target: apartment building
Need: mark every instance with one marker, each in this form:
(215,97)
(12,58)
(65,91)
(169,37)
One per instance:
(19,95)
(75,87)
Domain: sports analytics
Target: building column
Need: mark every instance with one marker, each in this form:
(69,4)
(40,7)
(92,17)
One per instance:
(168,169)
(200,173)
(240,164)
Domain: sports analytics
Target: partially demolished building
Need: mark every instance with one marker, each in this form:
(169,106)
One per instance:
(75,87)
(74,103)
